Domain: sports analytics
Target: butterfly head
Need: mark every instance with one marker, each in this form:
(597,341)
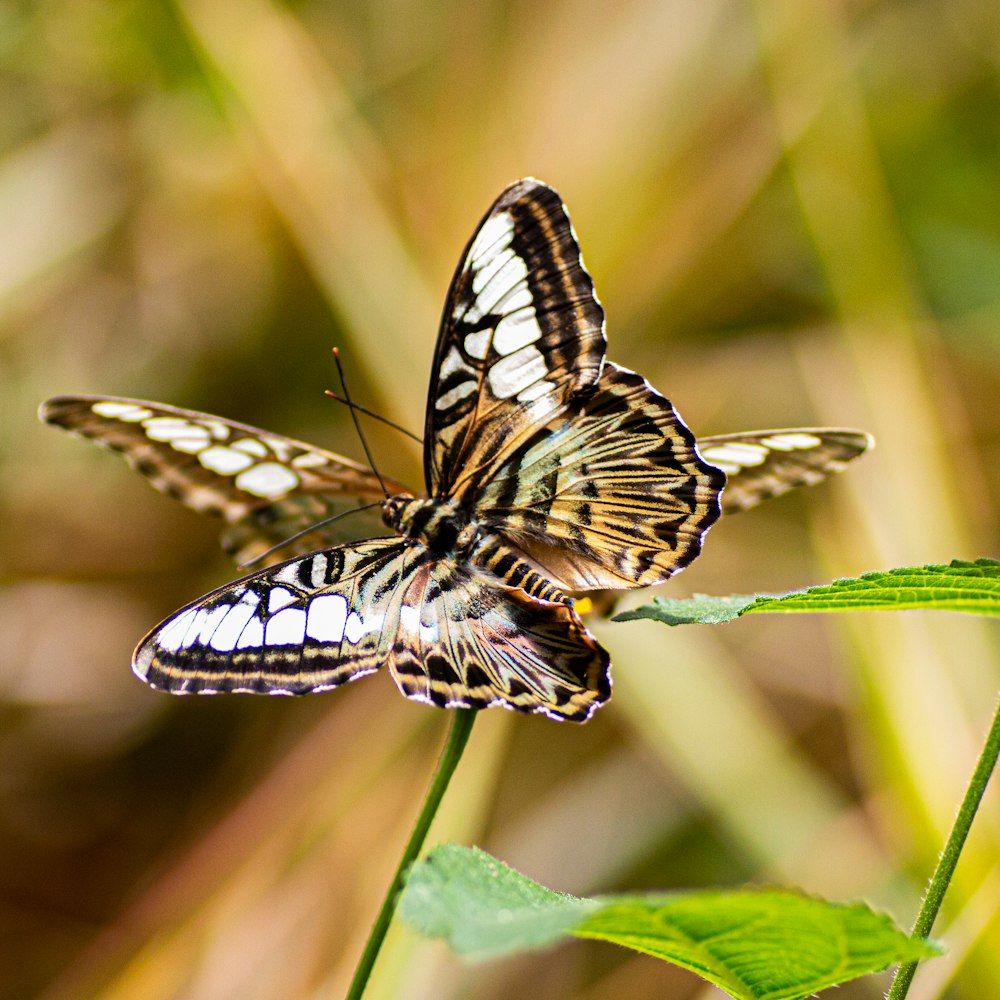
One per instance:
(442,525)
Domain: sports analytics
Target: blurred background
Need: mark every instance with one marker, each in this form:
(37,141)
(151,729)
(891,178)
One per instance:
(790,211)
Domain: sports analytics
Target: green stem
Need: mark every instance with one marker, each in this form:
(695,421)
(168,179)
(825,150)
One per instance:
(451,754)
(949,857)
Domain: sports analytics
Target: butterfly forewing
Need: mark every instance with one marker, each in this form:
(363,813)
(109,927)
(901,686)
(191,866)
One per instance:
(764,464)
(309,624)
(609,492)
(522,332)
(269,485)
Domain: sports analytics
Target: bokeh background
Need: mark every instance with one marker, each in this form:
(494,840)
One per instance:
(790,209)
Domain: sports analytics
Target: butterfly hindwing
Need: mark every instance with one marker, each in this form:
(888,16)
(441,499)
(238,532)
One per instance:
(607,493)
(522,332)
(268,485)
(764,464)
(471,640)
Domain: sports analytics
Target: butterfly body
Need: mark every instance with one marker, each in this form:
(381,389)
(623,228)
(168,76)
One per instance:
(548,471)
(441,525)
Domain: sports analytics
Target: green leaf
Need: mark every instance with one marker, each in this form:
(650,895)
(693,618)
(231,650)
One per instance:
(698,610)
(754,943)
(972,587)
(483,908)
(758,943)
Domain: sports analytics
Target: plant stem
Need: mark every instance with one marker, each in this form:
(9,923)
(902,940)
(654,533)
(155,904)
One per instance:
(949,856)
(451,754)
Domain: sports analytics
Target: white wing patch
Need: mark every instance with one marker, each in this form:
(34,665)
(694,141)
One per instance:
(225,461)
(735,456)
(516,331)
(131,413)
(309,460)
(356,627)
(286,628)
(791,442)
(279,598)
(496,233)
(452,396)
(233,626)
(516,372)
(267,480)
(499,286)
(326,618)
(477,345)
(252,447)
(200,437)
(253,635)
(409,621)
(173,635)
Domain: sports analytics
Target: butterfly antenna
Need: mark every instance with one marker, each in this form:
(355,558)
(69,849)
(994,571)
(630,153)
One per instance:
(375,416)
(357,423)
(306,531)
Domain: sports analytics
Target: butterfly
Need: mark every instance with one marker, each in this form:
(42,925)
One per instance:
(549,471)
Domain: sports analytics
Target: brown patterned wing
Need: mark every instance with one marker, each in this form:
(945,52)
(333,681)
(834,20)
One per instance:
(452,636)
(268,487)
(608,493)
(522,332)
(471,641)
(764,464)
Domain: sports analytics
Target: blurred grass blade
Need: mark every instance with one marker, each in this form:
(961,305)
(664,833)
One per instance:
(972,587)
(751,943)
(57,195)
(322,166)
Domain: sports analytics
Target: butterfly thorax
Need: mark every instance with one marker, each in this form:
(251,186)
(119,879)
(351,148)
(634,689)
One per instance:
(444,527)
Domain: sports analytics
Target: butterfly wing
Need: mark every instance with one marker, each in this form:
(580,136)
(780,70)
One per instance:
(469,640)
(764,464)
(607,493)
(309,624)
(592,475)
(268,486)
(522,332)
(451,635)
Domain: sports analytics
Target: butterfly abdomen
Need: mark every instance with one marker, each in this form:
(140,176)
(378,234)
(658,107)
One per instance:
(509,565)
